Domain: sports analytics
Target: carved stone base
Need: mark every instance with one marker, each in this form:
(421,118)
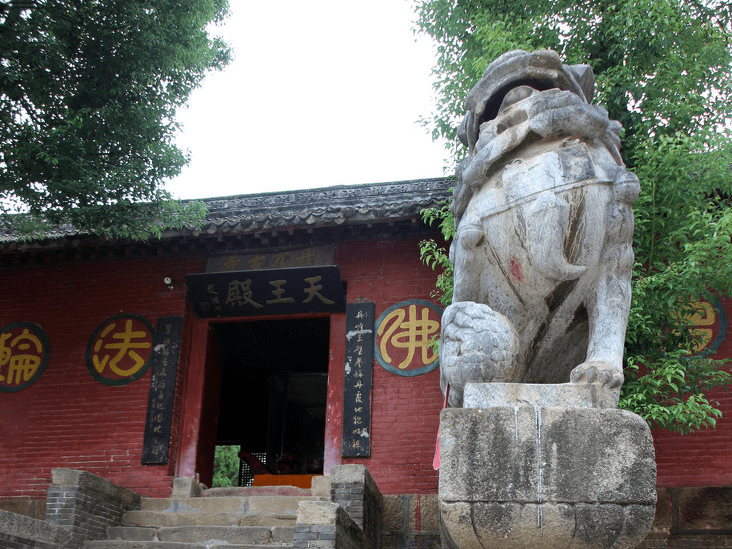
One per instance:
(563,395)
(546,476)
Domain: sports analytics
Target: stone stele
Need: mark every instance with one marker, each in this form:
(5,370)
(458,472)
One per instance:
(534,452)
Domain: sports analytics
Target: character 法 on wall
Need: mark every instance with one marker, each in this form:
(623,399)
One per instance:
(543,248)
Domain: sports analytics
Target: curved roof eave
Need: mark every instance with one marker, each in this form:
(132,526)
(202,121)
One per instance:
(310,208)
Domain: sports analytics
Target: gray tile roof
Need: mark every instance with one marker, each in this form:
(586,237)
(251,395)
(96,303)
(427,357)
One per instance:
(311,208)
(351,204)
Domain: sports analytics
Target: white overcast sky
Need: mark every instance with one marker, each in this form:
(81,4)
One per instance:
(320,93)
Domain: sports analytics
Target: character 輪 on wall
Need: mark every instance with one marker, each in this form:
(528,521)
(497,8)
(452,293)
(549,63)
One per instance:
(543,249)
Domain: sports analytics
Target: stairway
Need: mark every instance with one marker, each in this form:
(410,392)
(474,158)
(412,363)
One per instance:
(223,518)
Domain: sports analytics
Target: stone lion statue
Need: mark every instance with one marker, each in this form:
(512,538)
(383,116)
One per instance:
(543,249)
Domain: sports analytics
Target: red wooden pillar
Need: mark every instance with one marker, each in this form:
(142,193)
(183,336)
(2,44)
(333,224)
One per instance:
(194,401)
(334,409)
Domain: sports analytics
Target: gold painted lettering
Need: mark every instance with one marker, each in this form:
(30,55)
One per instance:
(704,315)
(124,348)
(416,334)
(313,290)
(240,294)
(256,262)
(231,263)
(211,290)
(305,257)
(22,366)
(279,293)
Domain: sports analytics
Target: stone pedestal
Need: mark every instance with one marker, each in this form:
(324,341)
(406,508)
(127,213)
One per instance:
(517,475)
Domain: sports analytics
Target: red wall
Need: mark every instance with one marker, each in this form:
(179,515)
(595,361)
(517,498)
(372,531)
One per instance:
(67,418)
(703,458)
(404,410)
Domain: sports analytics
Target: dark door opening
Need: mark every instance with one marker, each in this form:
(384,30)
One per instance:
(273,394)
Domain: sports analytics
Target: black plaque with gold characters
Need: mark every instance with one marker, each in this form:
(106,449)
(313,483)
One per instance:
(357,380)
(267,292)
(166,350)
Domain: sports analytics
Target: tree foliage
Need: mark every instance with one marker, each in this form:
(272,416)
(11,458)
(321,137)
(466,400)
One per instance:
(88,95)
(662,70)
(226,466)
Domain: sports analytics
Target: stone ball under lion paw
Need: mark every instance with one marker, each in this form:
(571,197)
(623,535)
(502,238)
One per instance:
(603,373)
(477,345)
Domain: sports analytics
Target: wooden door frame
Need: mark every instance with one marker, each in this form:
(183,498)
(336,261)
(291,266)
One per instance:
(192,441)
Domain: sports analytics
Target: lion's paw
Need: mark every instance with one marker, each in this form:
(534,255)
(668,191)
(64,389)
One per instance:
(478,345)
(603,373)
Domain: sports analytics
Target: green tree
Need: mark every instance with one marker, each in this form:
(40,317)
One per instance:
(88,96)
(662,70)
(226,467)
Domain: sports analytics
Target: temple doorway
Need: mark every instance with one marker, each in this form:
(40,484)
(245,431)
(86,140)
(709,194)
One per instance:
(272,404)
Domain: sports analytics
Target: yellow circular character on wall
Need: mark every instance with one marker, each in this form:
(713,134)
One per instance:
(24,353)
(119,349)
(709,324)
(403,339)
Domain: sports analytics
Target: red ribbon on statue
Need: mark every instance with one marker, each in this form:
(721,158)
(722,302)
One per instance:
(436,459)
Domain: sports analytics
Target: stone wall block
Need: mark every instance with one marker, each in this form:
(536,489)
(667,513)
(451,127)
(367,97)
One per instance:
(326,525)
(22,532)
(530,476)
(353,488)
(528,454)
(86,504)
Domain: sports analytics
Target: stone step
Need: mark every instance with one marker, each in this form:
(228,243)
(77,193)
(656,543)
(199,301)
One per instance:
(241,535)
(157,519)
(122,544)
(131,533)
(256,491)
(217,511)
(239,505)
